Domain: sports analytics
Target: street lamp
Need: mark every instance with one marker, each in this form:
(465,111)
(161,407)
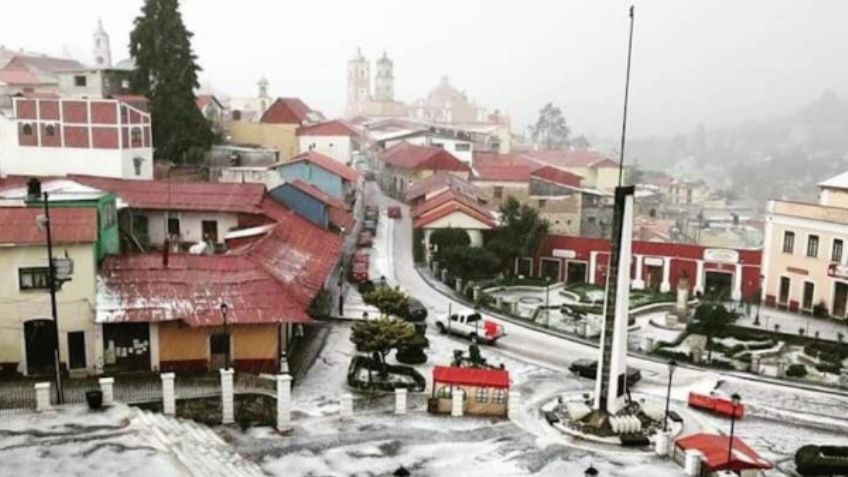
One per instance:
(364,316)
(672,365)
(759,301)
(224,309)
(547,310)
(735,399)
(591,472)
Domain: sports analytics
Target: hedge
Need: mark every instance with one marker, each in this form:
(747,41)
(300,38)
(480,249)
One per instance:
(796,371)
(812,460)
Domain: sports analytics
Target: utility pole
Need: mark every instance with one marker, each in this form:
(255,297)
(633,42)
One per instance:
(51,281)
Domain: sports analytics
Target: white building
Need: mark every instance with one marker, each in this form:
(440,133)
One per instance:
(458,144)
(335,139)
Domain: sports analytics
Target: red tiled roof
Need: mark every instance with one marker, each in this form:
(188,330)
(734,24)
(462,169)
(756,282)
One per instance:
(714,449)
(130,98)
(557,176)
(172,195)
(571,158)
(139,288)
(16,76)
(409,156)
(441,181)
(489,378)
(447,203)
(328,128)
(493,166)
(67,226)
(297,253)
(327,163)
(44,64)
(203,100)
(286,111)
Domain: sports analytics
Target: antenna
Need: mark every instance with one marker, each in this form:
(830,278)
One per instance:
(626,97)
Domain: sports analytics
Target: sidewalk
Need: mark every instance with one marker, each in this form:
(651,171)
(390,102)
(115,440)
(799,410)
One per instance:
(792,322)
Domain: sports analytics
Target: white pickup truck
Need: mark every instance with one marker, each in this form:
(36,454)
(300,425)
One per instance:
(470,325)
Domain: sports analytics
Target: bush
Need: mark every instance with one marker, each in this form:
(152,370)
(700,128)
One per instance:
(469,263)
(820,310)
(796,371)
(675,355)
(813,460)
(414,355)
(449,237)
(398,376)
(418,251)
(834,368)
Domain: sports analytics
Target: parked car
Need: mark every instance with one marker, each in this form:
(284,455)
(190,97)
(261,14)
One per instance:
(361,256)
(720,405)
(365,239)
(369,225)
(588,368)
(359,273)
(372,212)
(472,326)
(415,311)
(393,212)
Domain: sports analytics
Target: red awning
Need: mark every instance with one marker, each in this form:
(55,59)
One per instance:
(490,378)
(714,450)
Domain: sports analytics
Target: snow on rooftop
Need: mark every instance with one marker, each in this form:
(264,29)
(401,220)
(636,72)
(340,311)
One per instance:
(836,182)
(59,190)
(249,232)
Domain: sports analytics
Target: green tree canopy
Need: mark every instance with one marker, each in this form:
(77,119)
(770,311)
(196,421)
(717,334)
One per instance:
(380,337)
(712,319)
(449,237)
(470,263)
(390,301)
(166,73)
(550,129)
(520,233)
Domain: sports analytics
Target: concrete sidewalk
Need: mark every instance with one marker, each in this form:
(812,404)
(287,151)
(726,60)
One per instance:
(793,322)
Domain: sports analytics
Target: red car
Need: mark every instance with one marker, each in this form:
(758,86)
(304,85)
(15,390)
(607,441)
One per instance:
(359,272)
(716,404)
(361,256)
(393,212)
(365,239)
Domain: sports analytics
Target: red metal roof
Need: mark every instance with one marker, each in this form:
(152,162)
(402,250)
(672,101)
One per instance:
(557,176)
(714,451)
(140,288)
(286,111)
(328,128)
(447,203)
(409,156)
(327,163)
(203,100)
(483,377)
(571,158)
(67,226)
(173,195)
(493,166)
(441,181)
(16,76)
(338,213)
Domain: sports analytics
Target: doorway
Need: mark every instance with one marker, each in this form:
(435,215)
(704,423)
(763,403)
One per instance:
(210,231)
(575,273)
(840,297)
(219,347)
(76,349)
(653,277)
(783,295)
(719,285)
(40,337)
(550,269)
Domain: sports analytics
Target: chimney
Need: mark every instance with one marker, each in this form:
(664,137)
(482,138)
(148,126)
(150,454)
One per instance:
(33,189)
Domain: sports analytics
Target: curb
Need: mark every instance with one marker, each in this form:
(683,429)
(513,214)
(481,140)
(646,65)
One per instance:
(593,344)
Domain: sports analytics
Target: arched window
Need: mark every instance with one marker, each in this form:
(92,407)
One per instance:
(135,137)
(137,165)
(50,130)
(26,129)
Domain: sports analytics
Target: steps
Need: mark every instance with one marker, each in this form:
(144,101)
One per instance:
(198,448)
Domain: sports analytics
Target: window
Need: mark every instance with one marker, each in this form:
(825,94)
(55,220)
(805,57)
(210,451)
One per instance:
(784,290)
(137,165)
(813,246)
(836,251)
(481,395)
(210,230)
(542,203)
(807,303)
(125,84)
(80,80)
(33,278)
(219,343)
(109,215)
(76,349)
(438,144)
(443,393)
(788,241)
(174,226)
(498,192)
(462,147)
(50,130)
(26,129)
(135,137)
(499,396)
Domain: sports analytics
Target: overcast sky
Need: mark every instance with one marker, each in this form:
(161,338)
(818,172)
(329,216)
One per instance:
(710,62)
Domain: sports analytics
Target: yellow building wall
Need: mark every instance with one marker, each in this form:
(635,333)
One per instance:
(606,178)
(75,303)
(281,137)
(180,342)
(470,403)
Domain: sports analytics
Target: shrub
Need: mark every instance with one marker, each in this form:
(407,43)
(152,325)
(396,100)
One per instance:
(796,371)
(418,252)
(449,237)
(813,460)
(834,368)
(820,310)
(675,355)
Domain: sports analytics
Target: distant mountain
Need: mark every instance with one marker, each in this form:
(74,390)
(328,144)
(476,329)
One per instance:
(777,158)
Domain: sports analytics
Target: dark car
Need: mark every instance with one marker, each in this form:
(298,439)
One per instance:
(415,311)
(365,239)
(589,369)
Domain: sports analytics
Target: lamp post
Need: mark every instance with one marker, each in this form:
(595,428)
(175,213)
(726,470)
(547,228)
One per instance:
(672,365)
(547,310)
(51,282)
(735,399)
(224,309)
(759,301)
(591,471)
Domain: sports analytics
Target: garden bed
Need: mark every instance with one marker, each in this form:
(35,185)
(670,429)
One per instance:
(364,375)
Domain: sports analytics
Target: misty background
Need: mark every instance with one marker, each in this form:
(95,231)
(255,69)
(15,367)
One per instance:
(719,89)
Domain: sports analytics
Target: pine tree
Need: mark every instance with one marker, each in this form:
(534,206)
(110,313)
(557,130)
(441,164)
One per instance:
(166,73)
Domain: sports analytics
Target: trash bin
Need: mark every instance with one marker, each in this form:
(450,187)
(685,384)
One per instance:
(94,399)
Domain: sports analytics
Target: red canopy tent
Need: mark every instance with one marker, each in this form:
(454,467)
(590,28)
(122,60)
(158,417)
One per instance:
(489,378)
(714,449)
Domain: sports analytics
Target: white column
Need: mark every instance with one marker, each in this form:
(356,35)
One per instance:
(154,347)
(843,378)
(106,385)
(456,402)
(692,463)
(458,285)
(513,404)
(42,397)
(400,400)
(736,295)
(665,286)
(284,402)
(346,405)
(169,403)
(593,262)
(699,276)
(98,349)
(661,446)
(647,344)
(227,414)
(755,364)
(638,283)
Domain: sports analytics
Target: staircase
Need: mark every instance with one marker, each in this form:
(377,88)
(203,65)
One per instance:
(199,449)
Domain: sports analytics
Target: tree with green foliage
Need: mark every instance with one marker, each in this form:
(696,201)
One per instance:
(581,143)
(390,301)
(519,235)
(166,73)
(469,263)
(379,337)
(712,319)
(550,130)
(449,237)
